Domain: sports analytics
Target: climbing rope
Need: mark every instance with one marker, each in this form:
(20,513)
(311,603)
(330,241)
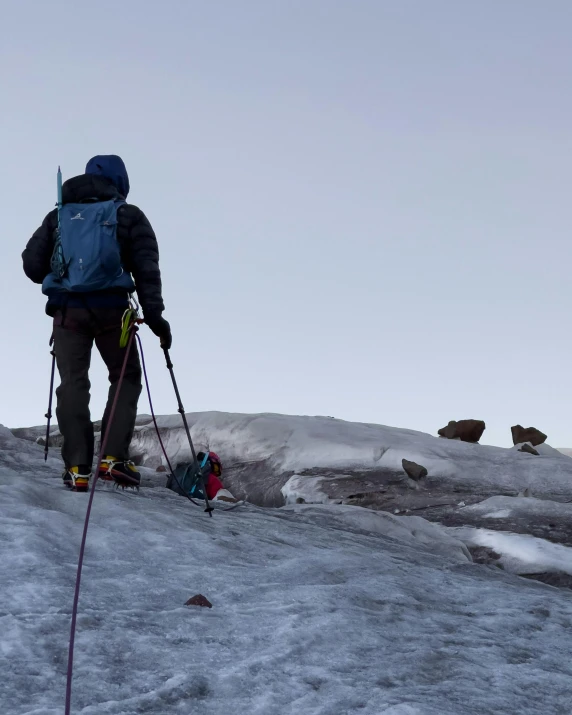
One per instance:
(167,460)
(132,332)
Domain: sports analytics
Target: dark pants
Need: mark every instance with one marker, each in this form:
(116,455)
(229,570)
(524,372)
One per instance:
(74,334)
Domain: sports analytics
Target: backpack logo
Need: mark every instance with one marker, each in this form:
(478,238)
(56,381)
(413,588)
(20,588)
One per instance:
(77,216)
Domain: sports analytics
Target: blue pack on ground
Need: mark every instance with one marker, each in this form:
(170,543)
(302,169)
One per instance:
(87,255)
(187,480)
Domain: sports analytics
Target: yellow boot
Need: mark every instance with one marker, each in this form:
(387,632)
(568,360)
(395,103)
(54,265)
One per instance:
(77,478)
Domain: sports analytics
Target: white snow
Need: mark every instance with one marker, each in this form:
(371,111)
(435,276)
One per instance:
(520,553)
(307,488)
(500,514)
(317,610)
(501,506)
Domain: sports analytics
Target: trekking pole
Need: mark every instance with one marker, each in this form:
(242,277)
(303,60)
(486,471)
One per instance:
(48,414)
(209,509)
(57,252)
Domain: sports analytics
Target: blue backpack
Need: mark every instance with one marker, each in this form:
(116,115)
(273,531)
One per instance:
(189,478)
(86,255)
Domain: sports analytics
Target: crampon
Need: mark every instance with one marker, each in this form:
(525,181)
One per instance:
(123,473)
(77,478)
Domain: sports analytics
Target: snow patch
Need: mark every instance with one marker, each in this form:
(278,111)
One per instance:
(500,514)
(520,553)
(308,490)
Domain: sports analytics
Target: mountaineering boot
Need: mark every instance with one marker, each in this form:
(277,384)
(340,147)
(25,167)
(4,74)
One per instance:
(77,478)
(123,473)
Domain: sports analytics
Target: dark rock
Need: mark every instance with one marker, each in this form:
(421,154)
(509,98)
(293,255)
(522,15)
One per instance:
(413,470)
(556,579)
(465,430)
(199,600)
(485,555)
(161,468)
(300,500)
(528,449)
(522,434)
(449,431)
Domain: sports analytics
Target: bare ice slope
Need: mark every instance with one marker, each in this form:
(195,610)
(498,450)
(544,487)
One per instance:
(316,610)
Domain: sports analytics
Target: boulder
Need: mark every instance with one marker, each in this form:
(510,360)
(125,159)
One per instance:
(522,434)
(199,600)
(485,555)
(413,470)
(465,430)
(529,449)
(161,468)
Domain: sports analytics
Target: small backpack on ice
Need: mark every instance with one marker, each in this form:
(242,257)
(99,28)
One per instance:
(86,256)
(187,480)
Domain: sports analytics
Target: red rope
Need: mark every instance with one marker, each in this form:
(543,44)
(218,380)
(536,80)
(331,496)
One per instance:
(86,524)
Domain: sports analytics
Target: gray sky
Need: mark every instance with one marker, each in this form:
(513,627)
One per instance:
(362,206)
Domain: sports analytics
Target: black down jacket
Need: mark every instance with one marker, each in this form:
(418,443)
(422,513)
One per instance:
(138,246)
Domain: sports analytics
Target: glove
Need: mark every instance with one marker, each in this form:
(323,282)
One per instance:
(161,328)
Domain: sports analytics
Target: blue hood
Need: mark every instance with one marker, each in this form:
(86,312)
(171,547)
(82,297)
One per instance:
(113,168)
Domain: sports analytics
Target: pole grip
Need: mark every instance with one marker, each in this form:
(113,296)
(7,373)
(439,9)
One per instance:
(168,359)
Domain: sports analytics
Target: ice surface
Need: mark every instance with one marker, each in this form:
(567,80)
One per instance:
(273,449)
(272,459)
(525,506)
(317,610)
(544,450)
(411,530)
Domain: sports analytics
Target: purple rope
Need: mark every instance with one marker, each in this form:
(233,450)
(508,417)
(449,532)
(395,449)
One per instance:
(85,527)
(230,508)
